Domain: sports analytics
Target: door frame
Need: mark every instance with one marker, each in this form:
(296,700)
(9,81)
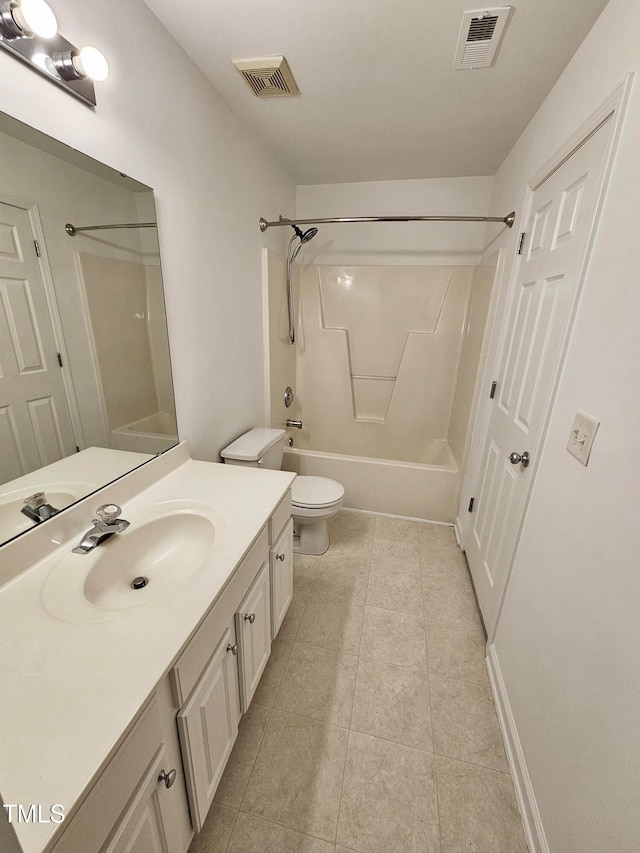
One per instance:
(32,211)
(614,109)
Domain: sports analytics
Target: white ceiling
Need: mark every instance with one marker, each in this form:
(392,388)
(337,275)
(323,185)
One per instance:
(379,99)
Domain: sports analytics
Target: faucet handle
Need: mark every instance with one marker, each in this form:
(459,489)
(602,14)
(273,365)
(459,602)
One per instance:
(108,513)
(35,501)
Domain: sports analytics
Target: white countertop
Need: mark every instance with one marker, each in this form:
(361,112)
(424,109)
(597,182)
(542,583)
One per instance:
(69,691)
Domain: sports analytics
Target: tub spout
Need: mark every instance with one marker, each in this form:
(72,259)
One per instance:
(292,423)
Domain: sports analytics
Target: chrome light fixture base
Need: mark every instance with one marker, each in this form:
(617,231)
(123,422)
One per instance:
(42,54)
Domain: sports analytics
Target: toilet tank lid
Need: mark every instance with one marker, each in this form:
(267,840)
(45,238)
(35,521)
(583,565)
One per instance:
(253,444)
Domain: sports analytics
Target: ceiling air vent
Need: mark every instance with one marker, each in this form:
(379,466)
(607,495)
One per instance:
(268,78)
(480,35)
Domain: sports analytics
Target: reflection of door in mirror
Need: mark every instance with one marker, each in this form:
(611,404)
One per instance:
(96,299)
(35,426)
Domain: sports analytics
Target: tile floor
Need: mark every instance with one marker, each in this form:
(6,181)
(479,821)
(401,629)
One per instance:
(373,727)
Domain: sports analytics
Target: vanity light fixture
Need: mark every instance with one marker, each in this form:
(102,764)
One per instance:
(29,32)
(26,19)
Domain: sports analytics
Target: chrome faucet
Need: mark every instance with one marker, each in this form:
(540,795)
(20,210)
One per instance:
(105,525)
(37,508)
(290,422)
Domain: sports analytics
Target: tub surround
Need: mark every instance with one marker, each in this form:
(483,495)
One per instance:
(71,690)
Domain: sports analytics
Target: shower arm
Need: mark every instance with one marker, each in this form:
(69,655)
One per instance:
(505,220)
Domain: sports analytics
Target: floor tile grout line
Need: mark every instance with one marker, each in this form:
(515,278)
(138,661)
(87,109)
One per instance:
(506,773)
(253,764)
(435,771)
(233,828)
(284,826)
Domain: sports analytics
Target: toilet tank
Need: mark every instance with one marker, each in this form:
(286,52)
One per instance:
(260,447)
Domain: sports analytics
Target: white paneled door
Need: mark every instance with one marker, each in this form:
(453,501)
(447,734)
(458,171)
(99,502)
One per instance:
(35,426)
(556,238)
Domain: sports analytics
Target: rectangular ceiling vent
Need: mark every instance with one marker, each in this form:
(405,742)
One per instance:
(480,35)
(268,78)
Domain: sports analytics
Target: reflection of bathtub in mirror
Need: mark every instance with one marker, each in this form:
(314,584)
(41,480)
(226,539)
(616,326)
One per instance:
(156,432)
(63,482)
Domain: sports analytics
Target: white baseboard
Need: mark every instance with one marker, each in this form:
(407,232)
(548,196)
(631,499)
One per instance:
(457,529)
(525,795)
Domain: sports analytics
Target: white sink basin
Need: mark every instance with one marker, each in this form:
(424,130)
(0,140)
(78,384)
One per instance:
(165,545)
(59,495)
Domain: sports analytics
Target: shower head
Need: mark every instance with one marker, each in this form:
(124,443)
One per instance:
(305,236)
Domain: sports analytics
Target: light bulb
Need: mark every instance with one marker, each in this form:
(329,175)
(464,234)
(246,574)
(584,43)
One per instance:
(91,63)
(36,17)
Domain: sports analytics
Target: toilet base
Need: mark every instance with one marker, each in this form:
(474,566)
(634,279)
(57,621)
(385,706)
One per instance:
(310,537)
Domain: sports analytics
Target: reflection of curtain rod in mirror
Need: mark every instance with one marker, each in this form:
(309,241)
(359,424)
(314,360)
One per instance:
(72,230)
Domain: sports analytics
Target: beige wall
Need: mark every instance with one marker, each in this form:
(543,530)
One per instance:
(405,243)
(213,180)
(568,639)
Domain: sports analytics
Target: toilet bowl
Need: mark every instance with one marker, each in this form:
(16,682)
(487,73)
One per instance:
(314,500)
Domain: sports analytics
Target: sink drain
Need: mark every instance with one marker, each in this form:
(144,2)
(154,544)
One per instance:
(139,583)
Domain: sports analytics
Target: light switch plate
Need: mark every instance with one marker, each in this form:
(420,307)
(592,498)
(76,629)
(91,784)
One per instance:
(581,437)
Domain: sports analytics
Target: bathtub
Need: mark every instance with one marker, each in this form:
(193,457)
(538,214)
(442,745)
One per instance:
(152,434)
(428,489)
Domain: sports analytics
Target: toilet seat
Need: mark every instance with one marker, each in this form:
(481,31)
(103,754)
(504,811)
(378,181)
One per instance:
(316,492)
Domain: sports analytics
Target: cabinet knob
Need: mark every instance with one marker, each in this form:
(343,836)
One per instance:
(250,618)
(168,778)
(233,648)
(280,557)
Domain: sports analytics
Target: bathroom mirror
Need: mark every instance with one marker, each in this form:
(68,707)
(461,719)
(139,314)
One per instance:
(86,393)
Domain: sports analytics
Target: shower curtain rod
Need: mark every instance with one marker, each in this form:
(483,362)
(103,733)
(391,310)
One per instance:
(72,230)
(506,220)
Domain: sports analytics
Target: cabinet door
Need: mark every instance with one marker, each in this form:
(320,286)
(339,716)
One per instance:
(281,565)
(208,726)
(253,630)
(148,825)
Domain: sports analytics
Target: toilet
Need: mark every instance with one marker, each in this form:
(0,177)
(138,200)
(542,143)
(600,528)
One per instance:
(314,499)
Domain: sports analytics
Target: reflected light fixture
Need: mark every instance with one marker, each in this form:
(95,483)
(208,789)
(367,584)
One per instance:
(29,32)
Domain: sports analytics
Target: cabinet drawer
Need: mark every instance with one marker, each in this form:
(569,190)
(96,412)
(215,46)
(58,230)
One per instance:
(281,515)
(89,828)
(196,656)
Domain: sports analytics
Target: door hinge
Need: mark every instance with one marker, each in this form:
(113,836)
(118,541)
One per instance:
(521,243)
(471,503)
(492,393)
(37,245)
(59,359)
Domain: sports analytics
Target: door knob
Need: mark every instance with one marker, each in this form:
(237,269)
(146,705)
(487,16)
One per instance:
(280,557)
(517,458)
(250,618)
(168,778)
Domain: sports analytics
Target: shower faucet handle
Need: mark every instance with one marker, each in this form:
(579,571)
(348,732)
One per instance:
(293,423)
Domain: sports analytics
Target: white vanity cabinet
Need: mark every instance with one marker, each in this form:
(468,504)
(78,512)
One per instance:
(215,677)
(253,630)
(159,784)
(208,726)
(281,573)
(139,802)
